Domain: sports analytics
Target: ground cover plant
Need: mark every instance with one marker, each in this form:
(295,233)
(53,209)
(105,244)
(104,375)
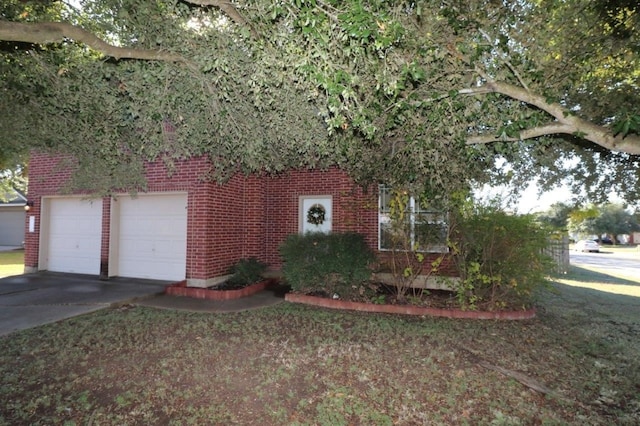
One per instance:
(576,363)
(243,273)
(11,263)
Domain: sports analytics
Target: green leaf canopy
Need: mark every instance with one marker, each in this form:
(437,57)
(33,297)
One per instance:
(427,94)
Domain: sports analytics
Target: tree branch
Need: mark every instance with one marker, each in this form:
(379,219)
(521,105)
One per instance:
(566,122)
(230,10)
(506,62)
(57,32)
(550,129)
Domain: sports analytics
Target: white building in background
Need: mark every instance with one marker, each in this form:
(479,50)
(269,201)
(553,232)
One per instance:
(12,219)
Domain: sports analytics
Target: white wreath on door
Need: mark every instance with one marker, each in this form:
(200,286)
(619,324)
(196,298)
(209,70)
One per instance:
(316,214)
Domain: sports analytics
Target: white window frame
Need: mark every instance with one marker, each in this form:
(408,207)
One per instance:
(414,213)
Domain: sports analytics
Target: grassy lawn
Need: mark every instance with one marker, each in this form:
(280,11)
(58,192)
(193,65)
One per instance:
(296,365)
(11,263)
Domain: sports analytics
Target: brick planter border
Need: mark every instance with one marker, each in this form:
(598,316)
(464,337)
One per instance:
(181,289)
(408,309)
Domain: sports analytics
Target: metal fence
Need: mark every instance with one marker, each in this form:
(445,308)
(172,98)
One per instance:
(558,251)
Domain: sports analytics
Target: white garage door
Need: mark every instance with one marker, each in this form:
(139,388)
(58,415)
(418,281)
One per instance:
(75,232)
(152,236)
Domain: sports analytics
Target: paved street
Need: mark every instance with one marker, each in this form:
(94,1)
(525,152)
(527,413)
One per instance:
(626,264)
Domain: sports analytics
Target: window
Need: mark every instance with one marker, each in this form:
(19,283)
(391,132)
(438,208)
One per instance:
(420,229)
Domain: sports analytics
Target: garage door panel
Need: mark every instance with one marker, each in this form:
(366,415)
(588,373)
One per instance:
(76,224)
(164,248)
(153,236)
(154,226)
(74,237)
(157,269)
(68,244)
(149,249)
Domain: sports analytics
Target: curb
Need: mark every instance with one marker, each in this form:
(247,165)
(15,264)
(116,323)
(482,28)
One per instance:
(181,289)
(409,310)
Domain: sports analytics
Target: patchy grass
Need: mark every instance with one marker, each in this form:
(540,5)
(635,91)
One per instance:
(11,263)
(297,365)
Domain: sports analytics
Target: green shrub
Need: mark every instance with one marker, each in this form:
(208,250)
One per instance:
(500,258)
(247,271)
(325,262)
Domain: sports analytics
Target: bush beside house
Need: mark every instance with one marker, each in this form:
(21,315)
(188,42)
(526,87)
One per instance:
(327,263)
(500,257)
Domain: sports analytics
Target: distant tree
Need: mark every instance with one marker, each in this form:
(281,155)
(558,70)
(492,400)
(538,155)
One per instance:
(609,219)
(556,216)
(615,220)
(13,170)
(580,221)
(11,180)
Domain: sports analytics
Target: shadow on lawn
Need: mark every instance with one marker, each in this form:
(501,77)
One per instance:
(597,295)
(588,276)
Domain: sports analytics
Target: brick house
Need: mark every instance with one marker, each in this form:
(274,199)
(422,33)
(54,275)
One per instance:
(184,227)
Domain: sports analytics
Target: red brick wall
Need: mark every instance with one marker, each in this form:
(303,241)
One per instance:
(199,243)
(254,227)
(224,222)
(248,216)
(229,225)
(106,231)
(353,209)
(49,174)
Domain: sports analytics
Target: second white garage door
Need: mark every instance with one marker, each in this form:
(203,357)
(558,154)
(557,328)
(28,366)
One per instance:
(152,236)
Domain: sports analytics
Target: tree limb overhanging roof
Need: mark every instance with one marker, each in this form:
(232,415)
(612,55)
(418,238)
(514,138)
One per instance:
(565,122)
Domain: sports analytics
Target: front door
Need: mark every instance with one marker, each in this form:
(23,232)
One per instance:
(316,214)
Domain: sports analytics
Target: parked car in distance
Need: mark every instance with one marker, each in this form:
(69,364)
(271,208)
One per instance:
(587,245)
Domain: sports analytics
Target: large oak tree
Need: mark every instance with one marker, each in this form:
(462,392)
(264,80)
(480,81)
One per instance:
(429,93)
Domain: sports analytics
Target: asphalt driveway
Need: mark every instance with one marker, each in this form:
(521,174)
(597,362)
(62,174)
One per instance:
(34,299)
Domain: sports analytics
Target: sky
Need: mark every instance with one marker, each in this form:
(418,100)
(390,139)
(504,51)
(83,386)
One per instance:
(529,201)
